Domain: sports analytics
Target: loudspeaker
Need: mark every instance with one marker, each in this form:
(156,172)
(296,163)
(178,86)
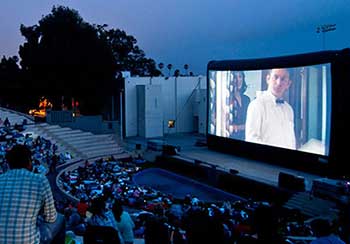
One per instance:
(291,182)
(197,162)
(169,150)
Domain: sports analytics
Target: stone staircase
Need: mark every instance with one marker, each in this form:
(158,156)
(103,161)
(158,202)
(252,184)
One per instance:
(312,206)
(80,144)
(14,116)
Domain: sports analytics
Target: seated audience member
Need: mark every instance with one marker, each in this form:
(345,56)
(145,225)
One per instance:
(323,231)
(23,196)
(24,122)
(344,221)
(124,222)
(202,228)
(156,232)
(7,122)
(266,225)
(75,222)
(101,216)
(82,207)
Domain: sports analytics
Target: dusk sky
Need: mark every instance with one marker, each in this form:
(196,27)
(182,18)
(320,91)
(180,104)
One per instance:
(197,31)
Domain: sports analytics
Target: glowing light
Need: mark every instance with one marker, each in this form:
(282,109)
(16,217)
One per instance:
(44,104)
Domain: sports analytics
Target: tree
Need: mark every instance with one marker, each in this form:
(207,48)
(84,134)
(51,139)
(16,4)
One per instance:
(177,73)
(11,80)
(65,56)
(128,55)
(161,66)
(9,73)
(186,69)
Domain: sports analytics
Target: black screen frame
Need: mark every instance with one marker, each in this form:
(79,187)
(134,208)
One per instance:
(333,165)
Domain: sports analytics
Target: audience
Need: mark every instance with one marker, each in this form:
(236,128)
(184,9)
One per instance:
(323,231)
(105,188)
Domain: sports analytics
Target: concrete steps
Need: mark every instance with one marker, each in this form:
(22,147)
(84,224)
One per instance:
(80,144)
(80,137)
(310,205)
(14,117)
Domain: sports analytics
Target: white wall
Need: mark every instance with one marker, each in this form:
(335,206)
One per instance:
(177,97)
(150,111)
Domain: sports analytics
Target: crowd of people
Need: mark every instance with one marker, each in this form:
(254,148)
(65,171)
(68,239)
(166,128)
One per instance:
(157,217)
(45,154)
(104,194)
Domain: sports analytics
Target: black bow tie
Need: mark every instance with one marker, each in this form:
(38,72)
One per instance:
(279,101)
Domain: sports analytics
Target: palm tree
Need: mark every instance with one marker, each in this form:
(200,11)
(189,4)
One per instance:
(186,68)
(177,73)
(161,66)
(169,66)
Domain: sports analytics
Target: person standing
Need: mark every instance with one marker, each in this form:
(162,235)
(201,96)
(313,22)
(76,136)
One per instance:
(124,222)
(270,119)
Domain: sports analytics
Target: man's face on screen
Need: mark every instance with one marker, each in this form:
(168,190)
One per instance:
(278,81)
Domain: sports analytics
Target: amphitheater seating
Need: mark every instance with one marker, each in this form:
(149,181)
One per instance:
(14,117)
(311,206)
(80,144)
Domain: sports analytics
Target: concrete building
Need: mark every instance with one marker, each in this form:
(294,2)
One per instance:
(152,104)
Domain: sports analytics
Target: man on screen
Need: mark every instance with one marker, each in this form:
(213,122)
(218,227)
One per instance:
(270,119)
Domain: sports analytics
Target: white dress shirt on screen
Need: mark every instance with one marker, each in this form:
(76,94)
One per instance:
(269,122)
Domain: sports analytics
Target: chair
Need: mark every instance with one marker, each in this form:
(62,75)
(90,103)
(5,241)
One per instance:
(101,235)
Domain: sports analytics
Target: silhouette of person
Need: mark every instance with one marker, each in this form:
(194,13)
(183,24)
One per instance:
(7,122)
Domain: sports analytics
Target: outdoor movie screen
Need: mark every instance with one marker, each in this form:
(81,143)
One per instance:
(283,107)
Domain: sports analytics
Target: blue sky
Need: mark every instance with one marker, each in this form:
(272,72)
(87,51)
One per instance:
(197,31)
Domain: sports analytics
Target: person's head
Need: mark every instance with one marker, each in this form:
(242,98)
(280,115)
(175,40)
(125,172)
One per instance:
(239,81)
(98,206)
(117,210)
(321,227)
(19,157)
(265,222)
(83,200)
(278,81)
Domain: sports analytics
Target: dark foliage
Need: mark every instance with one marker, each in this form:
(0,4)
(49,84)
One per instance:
(65,56)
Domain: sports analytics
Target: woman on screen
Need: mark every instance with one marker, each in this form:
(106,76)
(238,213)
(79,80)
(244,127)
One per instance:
(238,104)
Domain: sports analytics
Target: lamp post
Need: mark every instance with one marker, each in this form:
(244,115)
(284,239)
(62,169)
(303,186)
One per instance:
(324,29)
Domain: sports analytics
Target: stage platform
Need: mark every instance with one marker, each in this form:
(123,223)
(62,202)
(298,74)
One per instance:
(191,148)
(242,177)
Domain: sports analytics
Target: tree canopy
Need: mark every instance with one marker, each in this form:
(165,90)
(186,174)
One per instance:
(65,56)
(11,80)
